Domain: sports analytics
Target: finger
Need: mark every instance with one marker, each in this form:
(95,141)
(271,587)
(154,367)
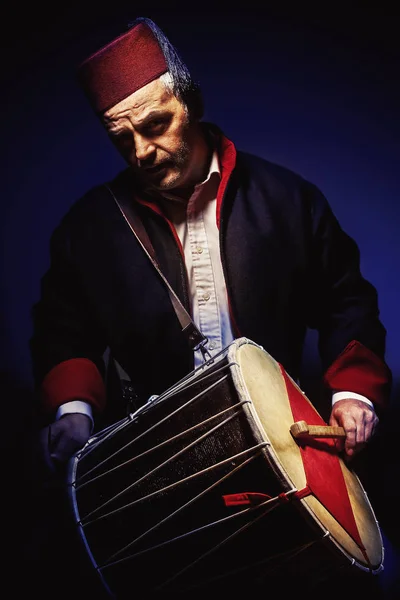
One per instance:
(338,441)
(44,439)
(351,439)
(369,431)
(55,431)
(61,455)
(370,427)
(365,430)
(361,435)
(64,448)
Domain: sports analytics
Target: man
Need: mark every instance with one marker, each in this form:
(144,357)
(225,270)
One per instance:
(249,248)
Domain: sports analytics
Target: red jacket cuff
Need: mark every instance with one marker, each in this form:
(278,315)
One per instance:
(74,379)
(358,369)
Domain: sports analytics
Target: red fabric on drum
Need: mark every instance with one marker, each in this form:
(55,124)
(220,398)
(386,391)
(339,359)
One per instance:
(321,464)
(252,498)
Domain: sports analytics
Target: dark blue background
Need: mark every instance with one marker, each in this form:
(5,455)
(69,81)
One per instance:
(318,93)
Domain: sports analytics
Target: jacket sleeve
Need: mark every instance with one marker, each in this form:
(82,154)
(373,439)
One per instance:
(344,309)
(66,345)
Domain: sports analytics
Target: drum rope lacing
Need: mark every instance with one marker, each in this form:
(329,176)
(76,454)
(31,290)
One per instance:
(256,450)
(268,504)
(287,556)
(173,457)
(91,445)
(110,560)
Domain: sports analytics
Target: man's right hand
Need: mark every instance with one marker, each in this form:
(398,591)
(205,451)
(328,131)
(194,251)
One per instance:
(63,438)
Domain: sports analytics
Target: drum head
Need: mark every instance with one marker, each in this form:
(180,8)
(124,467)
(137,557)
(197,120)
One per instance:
(261,380)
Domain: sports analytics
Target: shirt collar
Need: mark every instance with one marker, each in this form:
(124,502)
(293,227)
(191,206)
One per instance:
(214,167)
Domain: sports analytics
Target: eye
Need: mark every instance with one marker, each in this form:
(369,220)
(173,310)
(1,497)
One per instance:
(155,127)
(122,139)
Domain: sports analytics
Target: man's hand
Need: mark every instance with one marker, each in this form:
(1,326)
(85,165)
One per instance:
(359,422)
(63,438)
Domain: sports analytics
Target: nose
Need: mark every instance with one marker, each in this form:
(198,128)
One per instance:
(144,148)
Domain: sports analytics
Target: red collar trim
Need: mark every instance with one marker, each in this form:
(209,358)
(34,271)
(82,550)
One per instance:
(227,160)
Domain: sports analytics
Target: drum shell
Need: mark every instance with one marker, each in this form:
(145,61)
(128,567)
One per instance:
(140,488)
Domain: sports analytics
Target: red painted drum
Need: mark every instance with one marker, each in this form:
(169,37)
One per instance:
(206,484)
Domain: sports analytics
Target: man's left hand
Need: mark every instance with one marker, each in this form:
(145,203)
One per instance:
(358,420)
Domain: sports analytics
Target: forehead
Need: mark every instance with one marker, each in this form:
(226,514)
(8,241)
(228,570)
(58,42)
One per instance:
(152,97)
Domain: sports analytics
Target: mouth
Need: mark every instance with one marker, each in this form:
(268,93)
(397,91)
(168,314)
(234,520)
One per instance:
(155,169)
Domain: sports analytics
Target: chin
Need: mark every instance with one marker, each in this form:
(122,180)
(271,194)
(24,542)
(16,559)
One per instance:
(169,182)
(166,182)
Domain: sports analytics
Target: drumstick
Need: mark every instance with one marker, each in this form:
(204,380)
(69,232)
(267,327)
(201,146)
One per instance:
(302,429)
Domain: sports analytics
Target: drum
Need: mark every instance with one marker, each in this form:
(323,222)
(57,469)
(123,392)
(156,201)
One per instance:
(206,486)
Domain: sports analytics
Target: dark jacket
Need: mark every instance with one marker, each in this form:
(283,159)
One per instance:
(288,266)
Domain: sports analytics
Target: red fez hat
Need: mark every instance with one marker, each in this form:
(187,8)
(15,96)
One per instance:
(121,67)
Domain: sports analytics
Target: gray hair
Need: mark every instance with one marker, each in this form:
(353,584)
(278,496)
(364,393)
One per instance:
(178,78)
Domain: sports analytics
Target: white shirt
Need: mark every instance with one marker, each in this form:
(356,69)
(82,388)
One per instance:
(196,226)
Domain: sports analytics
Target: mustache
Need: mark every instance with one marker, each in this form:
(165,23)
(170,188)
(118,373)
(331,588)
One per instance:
(149,165)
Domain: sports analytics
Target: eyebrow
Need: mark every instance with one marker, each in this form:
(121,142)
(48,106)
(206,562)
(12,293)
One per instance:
(141,123)
(152,115)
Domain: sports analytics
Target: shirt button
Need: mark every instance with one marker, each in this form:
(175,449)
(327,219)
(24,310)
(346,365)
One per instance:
(211,345)
(206,296)
(199,249)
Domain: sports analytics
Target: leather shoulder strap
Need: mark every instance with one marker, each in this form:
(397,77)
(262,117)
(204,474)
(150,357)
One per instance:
(193,335)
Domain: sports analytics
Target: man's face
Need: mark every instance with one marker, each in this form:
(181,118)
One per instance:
(151,130)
